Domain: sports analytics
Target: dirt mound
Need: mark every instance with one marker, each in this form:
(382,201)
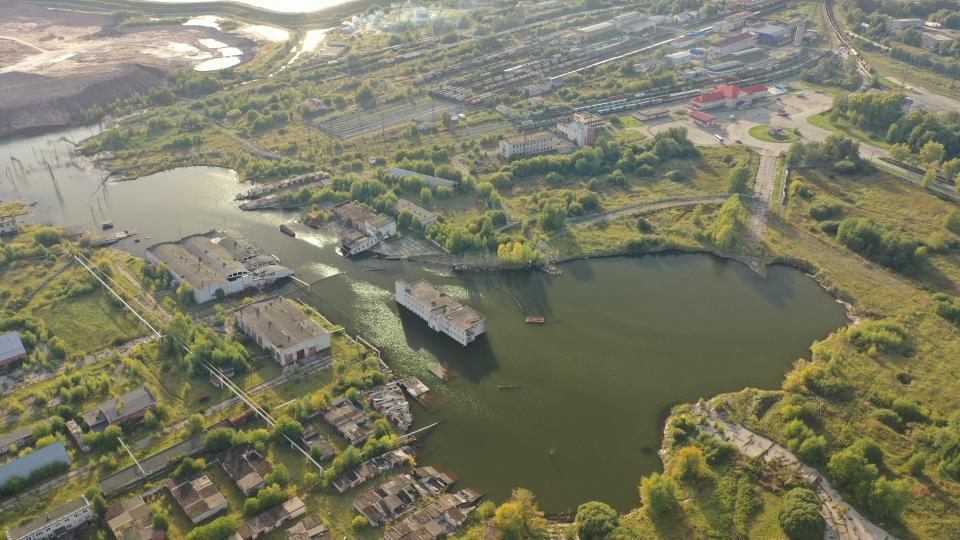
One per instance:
(31,101)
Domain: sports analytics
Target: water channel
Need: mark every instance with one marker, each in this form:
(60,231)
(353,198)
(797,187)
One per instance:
(625,338)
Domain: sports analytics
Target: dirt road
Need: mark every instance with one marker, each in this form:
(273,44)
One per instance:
(647,207)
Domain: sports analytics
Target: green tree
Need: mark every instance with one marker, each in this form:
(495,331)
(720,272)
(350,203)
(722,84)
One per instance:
(658,493)
(901,152)
(690,466)
(365,96)
(195,423)
(218,529)
(931,152)
(738,179)
(888,498)
(800,516)
(520,519)
(596,520)
(287,427)
(218,440)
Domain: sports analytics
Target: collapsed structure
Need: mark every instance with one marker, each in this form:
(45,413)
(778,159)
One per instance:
(369,229)
(217,263)
(442,313)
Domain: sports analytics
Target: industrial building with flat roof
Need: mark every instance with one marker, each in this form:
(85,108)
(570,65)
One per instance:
(38,460)
(528,145)
(11,348)
(280,327)
(56,523)
(442,313)
(424,216)
(217,263)
(15,440)
(369,228)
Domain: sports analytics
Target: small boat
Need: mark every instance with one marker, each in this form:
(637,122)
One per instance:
(106,225)
(534,320)
(287,230)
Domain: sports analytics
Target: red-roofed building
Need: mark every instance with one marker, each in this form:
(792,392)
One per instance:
(703,119)
(730,96)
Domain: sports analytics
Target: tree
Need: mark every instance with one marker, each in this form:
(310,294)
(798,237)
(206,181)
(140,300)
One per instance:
(520,519)
(930,176)
(195,423)
(658,493)
(738,179)
(800,516)
(888,498)
(287,427)
(950,168)
(596,520)
(690,466)
(218,440)
(218,529)
(931,152)
(365,95)
(901,152)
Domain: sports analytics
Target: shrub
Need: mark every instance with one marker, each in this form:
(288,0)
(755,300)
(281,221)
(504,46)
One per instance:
(877,336)
(823,211)
(658,493)
(596,520)
(800,516)
(885,246)
(888,418)
(690,466)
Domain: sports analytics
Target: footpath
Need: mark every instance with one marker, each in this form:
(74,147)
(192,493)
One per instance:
(843,521)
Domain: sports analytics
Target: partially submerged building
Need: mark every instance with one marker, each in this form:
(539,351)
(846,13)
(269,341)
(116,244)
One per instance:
(442,313)
(198,498)
(60,521)
(130,406)
(280,327)
(246,467)
(369,228)
(218,263)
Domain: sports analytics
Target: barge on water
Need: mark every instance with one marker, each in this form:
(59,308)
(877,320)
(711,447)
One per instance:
(287,230)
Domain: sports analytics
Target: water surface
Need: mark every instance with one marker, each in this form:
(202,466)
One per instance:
(625,338)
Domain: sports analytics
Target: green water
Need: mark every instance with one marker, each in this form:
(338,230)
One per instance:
(625,338)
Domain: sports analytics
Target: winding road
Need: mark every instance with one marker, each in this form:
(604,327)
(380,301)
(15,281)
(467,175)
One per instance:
(643,208)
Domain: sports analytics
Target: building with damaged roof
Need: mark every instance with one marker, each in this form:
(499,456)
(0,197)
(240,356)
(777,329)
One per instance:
(442,313)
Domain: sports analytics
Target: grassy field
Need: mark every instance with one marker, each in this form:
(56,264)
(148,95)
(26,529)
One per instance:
(842,127)
(761,132)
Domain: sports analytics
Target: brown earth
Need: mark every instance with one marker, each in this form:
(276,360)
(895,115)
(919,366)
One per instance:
(55,64)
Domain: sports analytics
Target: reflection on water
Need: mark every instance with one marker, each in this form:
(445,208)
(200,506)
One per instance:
(625,338)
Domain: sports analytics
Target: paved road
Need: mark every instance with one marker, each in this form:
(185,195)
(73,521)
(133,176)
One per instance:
(843,521)
(760,210)
(647,207)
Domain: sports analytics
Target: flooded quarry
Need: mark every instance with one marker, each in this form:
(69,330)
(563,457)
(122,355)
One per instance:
(571,408)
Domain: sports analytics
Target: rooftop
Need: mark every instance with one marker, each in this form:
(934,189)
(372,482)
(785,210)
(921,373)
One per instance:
(733,39)
(432,180)
(729,91)
(131,519)
(246,467)
(39,458)
(198,260)
(121,480)
(11,346)
(265,521)
(459,314)
(198,497)
(600,26)
(702,116)
(52,515)
(9,439)
(113,409)
(539,136)
(280,321)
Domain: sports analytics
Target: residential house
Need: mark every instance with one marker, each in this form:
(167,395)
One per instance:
(387,502)
(246,467)
(309,528)
(198,498)
(130,406)
(270,520)
(438,519)
(373,468)
(132,519)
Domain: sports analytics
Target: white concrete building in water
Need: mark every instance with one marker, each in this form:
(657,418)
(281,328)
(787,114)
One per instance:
(442,313)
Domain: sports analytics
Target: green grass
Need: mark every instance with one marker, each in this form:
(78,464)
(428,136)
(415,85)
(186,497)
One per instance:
(90,322)
(761,132)
(842,127)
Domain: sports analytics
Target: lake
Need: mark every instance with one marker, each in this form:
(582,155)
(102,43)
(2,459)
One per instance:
(625,338)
